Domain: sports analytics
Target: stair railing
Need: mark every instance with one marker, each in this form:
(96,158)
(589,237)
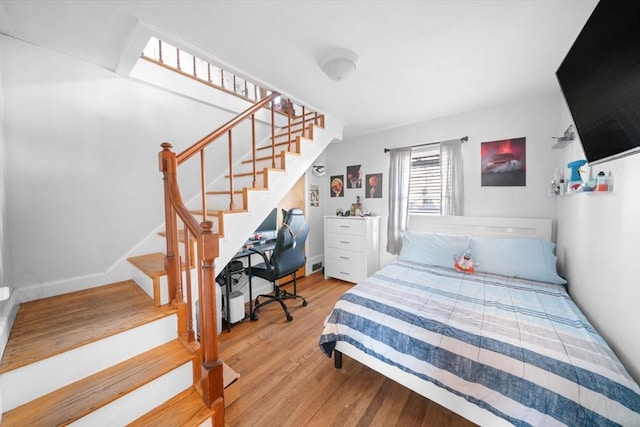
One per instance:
(183,227)
(209,377)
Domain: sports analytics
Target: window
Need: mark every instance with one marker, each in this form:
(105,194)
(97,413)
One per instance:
(425,180)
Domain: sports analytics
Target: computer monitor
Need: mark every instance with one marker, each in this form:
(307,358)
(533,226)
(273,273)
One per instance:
(269,227)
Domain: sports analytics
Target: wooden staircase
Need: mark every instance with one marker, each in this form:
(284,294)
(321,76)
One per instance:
(126,353)
(101,356)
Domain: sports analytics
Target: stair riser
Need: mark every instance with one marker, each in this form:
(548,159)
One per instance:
(19,387)
(156,288)
(237,225)
(140,401)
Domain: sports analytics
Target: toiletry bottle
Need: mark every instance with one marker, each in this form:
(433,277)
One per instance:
(554,189)
(601,182)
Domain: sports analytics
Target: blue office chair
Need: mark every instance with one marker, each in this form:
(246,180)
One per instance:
(286,258)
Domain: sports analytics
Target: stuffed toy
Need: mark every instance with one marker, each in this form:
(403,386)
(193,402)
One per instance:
(464,263)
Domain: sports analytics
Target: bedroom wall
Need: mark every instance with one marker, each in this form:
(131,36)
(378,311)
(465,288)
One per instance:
(315,239)
(4,249)
(598,237)
(536,118)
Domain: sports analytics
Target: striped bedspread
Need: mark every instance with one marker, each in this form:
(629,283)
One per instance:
(520,349)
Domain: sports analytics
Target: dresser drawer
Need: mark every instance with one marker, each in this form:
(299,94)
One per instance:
(347,226)
(346,265)
(347,241)
(340,256)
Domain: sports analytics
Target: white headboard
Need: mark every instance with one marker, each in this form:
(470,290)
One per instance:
(532,228)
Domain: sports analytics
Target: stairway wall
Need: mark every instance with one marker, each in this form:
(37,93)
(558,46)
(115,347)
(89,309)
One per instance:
(84,191)
(66,126)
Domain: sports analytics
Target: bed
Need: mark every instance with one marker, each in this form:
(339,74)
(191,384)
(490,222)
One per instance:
(502,345)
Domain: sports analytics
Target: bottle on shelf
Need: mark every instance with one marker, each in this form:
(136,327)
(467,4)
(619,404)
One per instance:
(555,189)
(601,182)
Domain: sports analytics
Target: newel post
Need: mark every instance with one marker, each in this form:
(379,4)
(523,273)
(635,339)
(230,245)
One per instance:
(168,167)
(212,382)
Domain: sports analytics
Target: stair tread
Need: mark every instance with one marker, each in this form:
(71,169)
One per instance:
(257,173)
(211,212)
(151,264)
(76,400)
(266,158)
(50,326)
(185,409)
(181,235)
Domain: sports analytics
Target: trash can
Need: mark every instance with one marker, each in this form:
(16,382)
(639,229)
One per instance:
(236,306)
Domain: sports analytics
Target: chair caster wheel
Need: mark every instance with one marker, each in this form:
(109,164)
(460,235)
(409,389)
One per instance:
(254,317)
(289,318)
(304,303)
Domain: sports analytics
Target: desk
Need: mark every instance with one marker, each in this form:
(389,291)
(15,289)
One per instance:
(243,253)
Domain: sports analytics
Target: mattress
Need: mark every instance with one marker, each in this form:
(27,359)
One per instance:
(520,349)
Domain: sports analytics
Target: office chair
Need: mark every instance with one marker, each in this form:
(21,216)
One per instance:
(286,258)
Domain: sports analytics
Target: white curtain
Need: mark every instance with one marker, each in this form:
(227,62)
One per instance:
(399,174)
(452,193)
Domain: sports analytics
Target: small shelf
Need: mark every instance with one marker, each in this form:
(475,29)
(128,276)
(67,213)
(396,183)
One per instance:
(564,140)
(561,141)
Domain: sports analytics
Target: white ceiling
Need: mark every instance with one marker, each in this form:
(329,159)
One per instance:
(418,59)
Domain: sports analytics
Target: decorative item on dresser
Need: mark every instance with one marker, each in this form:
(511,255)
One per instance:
(351,247)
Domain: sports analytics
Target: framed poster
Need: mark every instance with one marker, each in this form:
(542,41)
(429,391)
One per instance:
(337,185)
(354,176)
(503,163)
(373,188)
(314,195)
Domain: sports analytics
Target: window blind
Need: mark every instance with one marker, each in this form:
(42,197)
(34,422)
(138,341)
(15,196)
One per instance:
(425,182)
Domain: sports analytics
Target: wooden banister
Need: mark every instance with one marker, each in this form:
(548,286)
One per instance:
(201,144)
(210,374)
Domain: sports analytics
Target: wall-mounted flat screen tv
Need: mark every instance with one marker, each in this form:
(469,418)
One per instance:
(600,80)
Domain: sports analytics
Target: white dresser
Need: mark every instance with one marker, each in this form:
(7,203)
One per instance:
(351,247)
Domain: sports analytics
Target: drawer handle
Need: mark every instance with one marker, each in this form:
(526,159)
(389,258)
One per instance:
(344,257)
(346,242)
(344,226)
(344,272)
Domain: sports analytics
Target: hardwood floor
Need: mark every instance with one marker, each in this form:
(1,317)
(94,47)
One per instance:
(286,380)
(50,326)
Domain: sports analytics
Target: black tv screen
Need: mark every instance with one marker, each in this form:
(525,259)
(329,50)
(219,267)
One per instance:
(600,80)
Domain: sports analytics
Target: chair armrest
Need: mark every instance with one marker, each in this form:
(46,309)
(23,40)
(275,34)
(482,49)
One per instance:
(262,254)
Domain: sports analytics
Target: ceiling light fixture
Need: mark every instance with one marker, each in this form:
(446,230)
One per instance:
(340,64)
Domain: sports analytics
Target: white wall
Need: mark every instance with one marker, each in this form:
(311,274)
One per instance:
(83,185)
(536,118)
(598,236)
(4,241)
(315,239)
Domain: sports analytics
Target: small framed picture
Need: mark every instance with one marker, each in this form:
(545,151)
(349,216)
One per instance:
(337,186)
(373,186)
(504,163)
(354,176)
(314,195)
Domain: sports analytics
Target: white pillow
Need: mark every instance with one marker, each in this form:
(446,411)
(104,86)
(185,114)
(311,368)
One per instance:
(432,248)
(530,259)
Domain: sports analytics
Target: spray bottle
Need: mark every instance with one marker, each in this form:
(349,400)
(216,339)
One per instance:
(575,181)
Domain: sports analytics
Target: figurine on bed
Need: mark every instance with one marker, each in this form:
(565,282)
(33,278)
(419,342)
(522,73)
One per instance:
(464,263)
